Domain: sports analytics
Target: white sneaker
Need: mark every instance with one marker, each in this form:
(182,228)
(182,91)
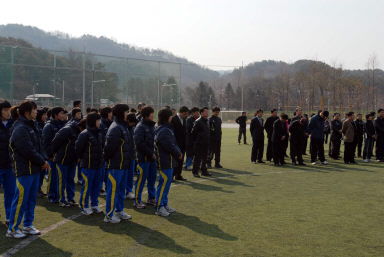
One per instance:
(87,211)
(162,212)
(113,219)
(17,234)
(324,162)
(97,209)
(365,160)
(130,196)
(170,209)
(31,230)
(124,216)
(314,163)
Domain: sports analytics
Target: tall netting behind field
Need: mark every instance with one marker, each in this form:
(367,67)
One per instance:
(229,116)
(63,76)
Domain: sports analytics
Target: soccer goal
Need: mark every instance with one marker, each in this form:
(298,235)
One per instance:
(229,116)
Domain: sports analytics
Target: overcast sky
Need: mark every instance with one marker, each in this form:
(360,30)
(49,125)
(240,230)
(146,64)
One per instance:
(221,32)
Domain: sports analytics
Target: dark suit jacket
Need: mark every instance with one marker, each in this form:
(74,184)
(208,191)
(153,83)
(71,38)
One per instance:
(180,132)
(257,130)
(279,130)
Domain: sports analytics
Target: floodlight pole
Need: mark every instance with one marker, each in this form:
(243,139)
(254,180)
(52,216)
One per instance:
(83,106)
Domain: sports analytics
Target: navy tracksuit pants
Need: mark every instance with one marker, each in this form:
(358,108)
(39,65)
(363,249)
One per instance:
(8,180)
(146,172)
(115,191)
(90,188)
(165,181)
(66,177)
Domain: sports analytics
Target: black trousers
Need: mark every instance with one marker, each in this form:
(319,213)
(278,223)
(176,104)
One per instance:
(200,158)
(349,152)
(305,145)
(334,148)
(242,132)
(359,145)
(317,150)
(296,152)
(278,152)
(257,149)
(368,148)
(379,147)
(269,149)
(214,150)
(177,171)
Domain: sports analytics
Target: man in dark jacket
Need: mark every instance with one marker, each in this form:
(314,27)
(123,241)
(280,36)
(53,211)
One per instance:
(195,114)
(379,128)
(350,139)
(215,138)
(89,150)
(360,126)
(53,125)
(63,147)
(370,136)
(28,159)
(316,130)
(180,130)
(119,152)
(145,144)
(297,129)
(279,134)
(257,132)
(268,126)
(7,178)
(167,154)
(336,135)
(242,121)
(200,133)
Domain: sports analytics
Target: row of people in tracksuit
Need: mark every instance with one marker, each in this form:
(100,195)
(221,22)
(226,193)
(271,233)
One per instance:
(59,148)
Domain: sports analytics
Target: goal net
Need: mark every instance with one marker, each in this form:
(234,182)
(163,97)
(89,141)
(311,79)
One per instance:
(230,116)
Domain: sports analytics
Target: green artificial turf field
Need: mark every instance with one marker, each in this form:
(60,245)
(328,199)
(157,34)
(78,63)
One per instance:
(243,210)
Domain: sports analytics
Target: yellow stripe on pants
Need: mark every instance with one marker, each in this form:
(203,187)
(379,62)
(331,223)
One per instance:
(19,203)
(139,182)
(113,182)
(165,178)
(85,188)
(60,181)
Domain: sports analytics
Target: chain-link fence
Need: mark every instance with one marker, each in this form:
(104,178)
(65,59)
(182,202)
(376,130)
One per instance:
(59,77)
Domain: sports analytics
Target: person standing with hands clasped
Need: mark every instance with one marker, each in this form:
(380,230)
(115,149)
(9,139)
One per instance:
(28,159)
(167,155)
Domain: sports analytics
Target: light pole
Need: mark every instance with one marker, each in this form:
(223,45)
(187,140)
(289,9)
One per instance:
(161,91)
(93,83)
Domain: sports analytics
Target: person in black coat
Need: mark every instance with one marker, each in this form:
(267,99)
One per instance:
(257,132)
(242,121)
(360,126)
(379,128)
(336,135)
(279,134)
(370,136)
(297,139)
(106,121)
(215,138)
(41,118)
(201,133)
(180,129)
(268,126)
(195,114)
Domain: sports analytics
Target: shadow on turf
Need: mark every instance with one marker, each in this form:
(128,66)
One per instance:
(204,187)
(142,235)
(43,248)
(201,227)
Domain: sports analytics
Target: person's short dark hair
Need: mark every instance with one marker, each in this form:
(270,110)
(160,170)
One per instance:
(105,111)
(380,110)
(284,116)
(273,110)
(49,113)
(195,109)
(259,111)
(26,106)
(373,113)
(76,103)
(183,109)
(133,110)
(92,117)
(146,111)
(119,110)
(65,111)
(216,109)
(131,117)
(94,110)
(4,104)
(202,109)
(163,115)
(74,111)
(15,112)
(336,113)
(82,124)
(243,113)
(349,114)
(56,110)
(326,113)
(294,113)
(167,106)
(88,110)
(368,115)
(40,113)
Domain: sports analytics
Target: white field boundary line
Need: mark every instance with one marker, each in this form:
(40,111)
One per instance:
(12,251)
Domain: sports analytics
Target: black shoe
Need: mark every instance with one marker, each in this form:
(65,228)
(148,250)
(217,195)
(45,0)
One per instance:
(277,164)
(206,174)
(283,163)
(209,166)
(260,162)
(347,163)
(180,178)
(302,164)
(218,166)
(196,175)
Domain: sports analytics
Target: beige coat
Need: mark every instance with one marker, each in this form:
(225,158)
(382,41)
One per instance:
(348,131)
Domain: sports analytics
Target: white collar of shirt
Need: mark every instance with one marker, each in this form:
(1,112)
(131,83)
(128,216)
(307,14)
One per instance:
(181,120)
